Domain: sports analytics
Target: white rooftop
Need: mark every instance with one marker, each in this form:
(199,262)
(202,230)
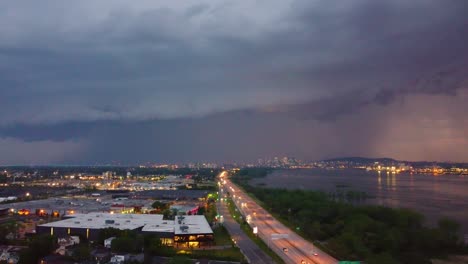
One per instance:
(196,224)
(104,220)
(191,224)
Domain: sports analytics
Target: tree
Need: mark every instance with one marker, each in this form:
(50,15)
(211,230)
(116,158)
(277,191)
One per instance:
(154,246)
(201,210)
(384,258)
(160,205)
(180,260)
(128,243)
(82,253)
(6,229)
(449,227)
(107,233)
(166,214)
(122,245)
(39,247)
(449,233)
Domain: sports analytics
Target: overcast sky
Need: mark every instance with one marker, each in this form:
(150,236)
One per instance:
(215,80)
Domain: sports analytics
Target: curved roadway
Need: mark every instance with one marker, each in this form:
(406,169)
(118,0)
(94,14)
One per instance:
(291,247)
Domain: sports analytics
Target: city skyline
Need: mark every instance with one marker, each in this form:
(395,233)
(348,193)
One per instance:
(94,82)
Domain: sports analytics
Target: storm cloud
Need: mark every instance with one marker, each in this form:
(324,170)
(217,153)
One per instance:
(164,81)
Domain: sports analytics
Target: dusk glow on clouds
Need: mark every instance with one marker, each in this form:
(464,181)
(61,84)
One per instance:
(232,80)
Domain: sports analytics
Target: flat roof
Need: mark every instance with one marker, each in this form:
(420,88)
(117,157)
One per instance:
(189,224)
(166,226)
(105,220)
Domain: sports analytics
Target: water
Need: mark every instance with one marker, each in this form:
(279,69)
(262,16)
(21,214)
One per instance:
(432,195)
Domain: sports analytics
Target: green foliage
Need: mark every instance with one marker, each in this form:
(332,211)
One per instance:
(230,254)
(7,228)
(448,233)
(210,213)
(107,233)
(221,236)
(39,247)
(383,258)
(167,214)
(128,243)
(180,260)
(160,205)
(154,246)
(201,210)
(373,234)
(82,253)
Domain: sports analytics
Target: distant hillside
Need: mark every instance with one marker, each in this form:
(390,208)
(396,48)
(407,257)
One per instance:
(362,160)
(388,161)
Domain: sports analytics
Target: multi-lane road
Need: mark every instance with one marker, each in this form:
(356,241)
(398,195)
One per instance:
(251,251)
(291,247)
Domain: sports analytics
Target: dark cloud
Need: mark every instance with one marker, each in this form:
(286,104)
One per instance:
(419,127)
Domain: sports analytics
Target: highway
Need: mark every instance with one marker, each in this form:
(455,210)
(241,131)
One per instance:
(250,250)
(291,247)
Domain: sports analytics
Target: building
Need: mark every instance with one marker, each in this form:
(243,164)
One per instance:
(187,230)
(4,211)
(185,208)
(192,231)
(108,242)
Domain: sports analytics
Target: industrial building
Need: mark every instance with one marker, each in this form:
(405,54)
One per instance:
(187,230)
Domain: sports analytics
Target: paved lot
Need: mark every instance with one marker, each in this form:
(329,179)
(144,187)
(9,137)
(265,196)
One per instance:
(64,204)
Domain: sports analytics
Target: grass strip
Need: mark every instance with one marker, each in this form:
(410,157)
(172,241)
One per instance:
(249,232)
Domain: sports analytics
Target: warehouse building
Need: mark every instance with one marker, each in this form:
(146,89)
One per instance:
(187,230)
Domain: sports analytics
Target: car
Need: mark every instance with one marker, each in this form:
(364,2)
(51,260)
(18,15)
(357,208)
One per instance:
(285,250)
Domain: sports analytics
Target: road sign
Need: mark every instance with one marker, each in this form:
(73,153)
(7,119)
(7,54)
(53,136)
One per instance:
(255,230)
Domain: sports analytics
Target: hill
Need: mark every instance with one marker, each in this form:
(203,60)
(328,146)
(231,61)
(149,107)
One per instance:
(362,160)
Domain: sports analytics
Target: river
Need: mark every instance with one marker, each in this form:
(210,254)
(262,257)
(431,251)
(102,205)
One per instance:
(432,195)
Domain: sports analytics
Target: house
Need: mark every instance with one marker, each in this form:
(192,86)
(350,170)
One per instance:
(68,241)
(117,259)
(101,255)
(108,242)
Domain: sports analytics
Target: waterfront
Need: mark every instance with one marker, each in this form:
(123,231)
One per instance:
(433,195)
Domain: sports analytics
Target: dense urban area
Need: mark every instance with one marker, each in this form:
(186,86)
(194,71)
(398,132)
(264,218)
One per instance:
(172,214)
(111,215)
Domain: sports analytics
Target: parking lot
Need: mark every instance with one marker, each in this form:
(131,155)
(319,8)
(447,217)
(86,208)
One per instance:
(66,205)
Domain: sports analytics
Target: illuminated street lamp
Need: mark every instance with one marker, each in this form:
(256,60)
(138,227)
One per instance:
(28,194)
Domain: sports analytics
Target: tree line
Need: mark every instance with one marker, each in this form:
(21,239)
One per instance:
(373,234)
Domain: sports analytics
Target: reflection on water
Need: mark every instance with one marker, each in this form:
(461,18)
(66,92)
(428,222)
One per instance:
(435,196)
(411,182)
(379,180)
